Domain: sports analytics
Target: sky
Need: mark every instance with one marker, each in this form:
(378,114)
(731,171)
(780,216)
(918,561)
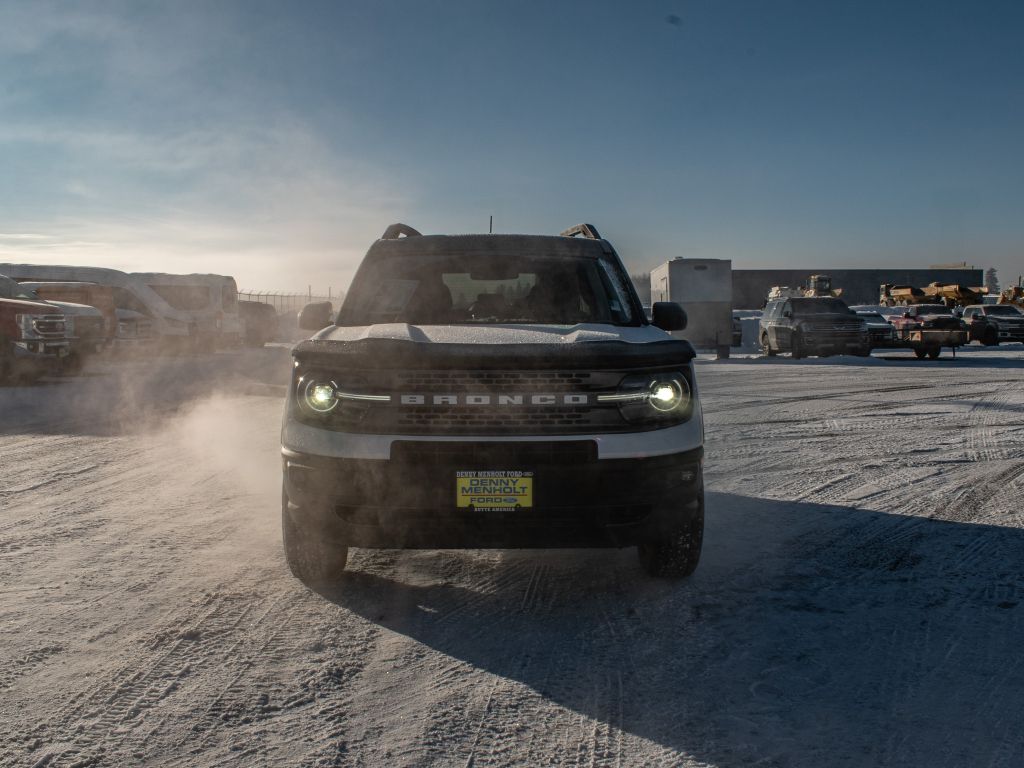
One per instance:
(275,141)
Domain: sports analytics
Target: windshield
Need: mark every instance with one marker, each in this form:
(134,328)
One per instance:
(819,307)
(437,290)
(933,309)
(1003,309)
(11,289)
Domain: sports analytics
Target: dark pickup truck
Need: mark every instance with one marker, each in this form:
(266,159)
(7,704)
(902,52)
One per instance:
(994,323)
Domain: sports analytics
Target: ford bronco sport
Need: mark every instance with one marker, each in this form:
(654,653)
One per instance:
(492,391)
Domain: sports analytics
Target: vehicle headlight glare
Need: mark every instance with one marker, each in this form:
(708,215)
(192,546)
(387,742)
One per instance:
(666,395)
(661,397)
(320,396)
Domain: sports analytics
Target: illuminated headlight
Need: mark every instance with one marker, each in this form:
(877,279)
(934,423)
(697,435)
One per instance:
(666,395)
(652,397)
(318,396)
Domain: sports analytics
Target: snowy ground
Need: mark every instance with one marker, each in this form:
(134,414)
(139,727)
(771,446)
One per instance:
(860,601)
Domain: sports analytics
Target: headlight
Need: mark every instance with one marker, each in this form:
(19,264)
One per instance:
(652,397)
(666,395)
(318,395)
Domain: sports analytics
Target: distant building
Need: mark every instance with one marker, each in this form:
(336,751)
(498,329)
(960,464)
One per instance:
(860,286)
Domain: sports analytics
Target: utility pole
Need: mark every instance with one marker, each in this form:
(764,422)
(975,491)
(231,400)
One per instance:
(490,227)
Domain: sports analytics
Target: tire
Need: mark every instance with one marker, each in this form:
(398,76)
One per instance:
(72,365)
(312,559)
(934,352)
(6,361)
(675,554)
(766,346)
(796,347)
(920,352)
(990,338)
(863,352)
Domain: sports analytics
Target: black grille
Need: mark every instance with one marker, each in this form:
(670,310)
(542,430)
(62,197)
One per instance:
(474,381)
(49,326)
(553,416)
(549,417)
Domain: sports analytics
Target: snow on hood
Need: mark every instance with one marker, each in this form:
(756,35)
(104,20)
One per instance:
(496,334)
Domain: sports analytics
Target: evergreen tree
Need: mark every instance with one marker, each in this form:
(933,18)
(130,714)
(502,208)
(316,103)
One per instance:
(992,281)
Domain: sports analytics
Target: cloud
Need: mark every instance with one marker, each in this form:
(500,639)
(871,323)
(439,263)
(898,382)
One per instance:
(155,169)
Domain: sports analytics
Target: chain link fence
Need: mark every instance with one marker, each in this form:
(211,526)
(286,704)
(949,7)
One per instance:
(283,301)
(286,305)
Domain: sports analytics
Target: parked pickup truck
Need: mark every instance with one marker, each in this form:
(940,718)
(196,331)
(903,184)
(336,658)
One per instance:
(33,340)
(84,326)
(994,323)
(927,328)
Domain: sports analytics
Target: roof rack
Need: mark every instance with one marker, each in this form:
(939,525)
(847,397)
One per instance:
(395,231)
(589,231)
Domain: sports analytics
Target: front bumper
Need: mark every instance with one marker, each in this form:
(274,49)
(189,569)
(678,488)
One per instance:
(38,356)
(1015,333)
(409,501)
(816,344)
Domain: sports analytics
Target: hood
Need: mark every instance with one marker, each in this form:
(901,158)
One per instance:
(80,310)
(29,307)
(397,345)
(495,334)
(129,314)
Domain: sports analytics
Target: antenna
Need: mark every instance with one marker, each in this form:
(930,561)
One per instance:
(490,227)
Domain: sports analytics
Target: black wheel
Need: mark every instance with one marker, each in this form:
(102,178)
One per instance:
(864,351)
(6,361)
(676,553)
(766,346)
(72,364)
(796,347)
(934,352)
(920,352)
(311,558)
(990,338)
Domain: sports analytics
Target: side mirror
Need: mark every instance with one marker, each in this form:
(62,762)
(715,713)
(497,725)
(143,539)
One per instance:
(787,313)
(315,316)
(668,316)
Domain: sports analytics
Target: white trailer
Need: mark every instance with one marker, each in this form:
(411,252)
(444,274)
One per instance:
(704,289)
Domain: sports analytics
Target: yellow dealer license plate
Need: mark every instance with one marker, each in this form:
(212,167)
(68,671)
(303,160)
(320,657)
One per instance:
(500,491)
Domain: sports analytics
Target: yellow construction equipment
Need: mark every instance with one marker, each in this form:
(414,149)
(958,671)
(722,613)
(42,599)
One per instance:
(817,285)
(1014,295)
(951,295)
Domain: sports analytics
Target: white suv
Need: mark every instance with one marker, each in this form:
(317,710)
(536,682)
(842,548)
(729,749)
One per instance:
(492,391)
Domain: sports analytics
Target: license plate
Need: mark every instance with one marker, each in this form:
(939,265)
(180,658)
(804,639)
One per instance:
(498,491)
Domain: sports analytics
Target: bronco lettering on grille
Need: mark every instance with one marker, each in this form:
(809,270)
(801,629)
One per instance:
(495,399)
